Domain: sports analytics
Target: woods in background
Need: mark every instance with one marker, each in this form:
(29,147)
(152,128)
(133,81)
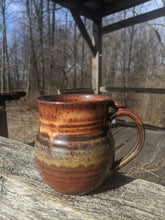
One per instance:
(43,55)
(41,50)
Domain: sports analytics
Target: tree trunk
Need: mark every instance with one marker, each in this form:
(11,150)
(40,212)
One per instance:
(75,58)
(50,57)
(132,33)
(124,74)
(7,68)
(2,66)
(65,52)
(28,75)
(5,76)
(3,6)
(16,64)
(83,59)
(159,39)
(48,22)
(42,73)
(33,65)
(39,13)
(53,24)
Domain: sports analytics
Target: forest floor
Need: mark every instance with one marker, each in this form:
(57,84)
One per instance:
(23,120)
(23,124)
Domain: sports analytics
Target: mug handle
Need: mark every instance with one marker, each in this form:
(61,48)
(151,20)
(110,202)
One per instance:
(121,110)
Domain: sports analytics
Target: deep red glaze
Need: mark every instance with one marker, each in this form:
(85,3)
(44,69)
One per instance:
(74,151)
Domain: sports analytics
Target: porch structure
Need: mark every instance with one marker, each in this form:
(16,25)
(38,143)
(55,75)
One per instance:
(95,10)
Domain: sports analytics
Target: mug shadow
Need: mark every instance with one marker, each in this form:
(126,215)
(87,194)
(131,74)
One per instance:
(113,182)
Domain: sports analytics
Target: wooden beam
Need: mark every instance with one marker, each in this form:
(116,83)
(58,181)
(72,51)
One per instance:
(95,4)
(135,90)
(78,6)
(100,2)
(135,20)
(119,5)
(75,91)
(83,30)
(97,59)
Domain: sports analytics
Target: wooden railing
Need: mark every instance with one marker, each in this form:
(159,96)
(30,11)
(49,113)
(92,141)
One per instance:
(131,89)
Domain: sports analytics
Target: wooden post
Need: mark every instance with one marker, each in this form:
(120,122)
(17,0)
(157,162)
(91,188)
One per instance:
(97,58)
(3,119)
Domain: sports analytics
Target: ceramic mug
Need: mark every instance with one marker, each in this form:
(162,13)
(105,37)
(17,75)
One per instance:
(74,148)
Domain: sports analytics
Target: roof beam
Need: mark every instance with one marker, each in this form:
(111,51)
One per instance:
(78,6)
(134,20)
(83,30)
(100,2)
(119,5)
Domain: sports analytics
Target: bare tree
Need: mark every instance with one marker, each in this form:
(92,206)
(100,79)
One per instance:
(15,69)
(48,22)
(32,65)
(53,24)
(83,58)
(75,58)
(124,63)
(5,69)
(39,14)
(159,39)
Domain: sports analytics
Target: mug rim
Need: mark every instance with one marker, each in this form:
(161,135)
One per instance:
(81,99)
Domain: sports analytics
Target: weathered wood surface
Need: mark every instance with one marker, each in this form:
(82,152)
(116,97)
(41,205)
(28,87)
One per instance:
(23,194)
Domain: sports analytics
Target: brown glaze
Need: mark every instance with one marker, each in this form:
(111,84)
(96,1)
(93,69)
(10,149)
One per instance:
(74,151)
(139,141)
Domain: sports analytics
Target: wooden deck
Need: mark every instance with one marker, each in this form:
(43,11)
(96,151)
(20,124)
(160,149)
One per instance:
(150,163)
(24,195)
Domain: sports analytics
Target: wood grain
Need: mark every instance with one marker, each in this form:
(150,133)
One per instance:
(23,195)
